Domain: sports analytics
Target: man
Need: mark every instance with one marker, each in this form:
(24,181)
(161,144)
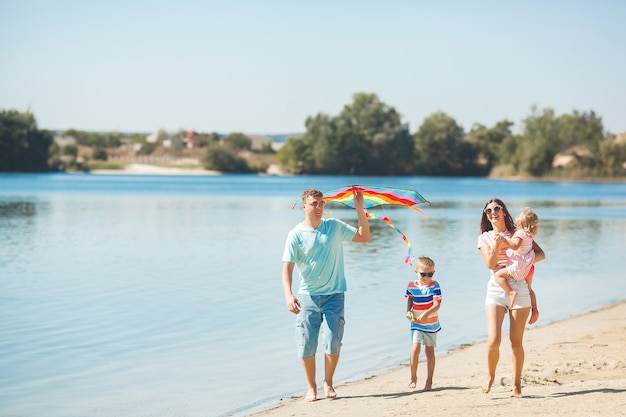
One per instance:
(316,246)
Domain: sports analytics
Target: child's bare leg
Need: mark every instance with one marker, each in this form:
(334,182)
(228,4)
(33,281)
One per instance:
(501,277)
(415,354)
(430,363)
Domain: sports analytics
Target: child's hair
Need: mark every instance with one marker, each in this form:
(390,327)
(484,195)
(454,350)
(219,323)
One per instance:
(425,262)
(528,222)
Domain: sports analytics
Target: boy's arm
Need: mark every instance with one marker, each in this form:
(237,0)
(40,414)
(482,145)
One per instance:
(432,310)
(409,308)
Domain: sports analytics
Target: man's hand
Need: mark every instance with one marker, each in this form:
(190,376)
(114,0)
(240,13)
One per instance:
(357,196)
(293,304)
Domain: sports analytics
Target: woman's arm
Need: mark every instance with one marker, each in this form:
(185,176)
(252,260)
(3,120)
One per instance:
(490,255)
(540,255)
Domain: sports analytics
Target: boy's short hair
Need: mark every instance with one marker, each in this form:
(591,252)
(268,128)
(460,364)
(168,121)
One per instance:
(426,262)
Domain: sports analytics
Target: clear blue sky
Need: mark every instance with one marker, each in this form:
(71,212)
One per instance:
(264,66)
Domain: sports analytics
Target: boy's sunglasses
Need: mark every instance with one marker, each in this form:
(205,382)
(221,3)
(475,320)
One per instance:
(426,274)
(495,209)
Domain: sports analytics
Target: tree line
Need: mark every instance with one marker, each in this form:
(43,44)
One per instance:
(367,137)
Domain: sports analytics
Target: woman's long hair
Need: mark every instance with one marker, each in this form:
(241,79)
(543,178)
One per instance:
(486,225)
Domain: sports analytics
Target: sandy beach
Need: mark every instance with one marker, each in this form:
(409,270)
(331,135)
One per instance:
(573,367)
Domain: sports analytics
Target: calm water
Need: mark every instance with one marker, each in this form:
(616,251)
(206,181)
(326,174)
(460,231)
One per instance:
(161,296)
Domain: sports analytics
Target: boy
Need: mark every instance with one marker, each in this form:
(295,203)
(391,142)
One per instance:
(423,301)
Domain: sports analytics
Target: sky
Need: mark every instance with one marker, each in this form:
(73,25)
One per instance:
(264,66)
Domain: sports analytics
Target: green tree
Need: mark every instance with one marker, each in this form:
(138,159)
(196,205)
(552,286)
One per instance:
(489,142)
(99,154)
(221,158)
(440,148)
(539,143)
(296,155)
(612,157)
(366,138)
(373,138)
(237,142)
(23,147)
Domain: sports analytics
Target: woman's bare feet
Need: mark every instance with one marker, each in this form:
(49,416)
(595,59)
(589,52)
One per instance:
(513,297)
(428,386)
(413,384)
(487,387)
(311,395)
(329,391)
(517,391)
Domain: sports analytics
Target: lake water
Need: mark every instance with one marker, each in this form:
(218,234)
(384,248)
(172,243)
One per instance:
(161,295)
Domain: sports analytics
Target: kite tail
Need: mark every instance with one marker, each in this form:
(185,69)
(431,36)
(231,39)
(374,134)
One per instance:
(410,257)
(420,212)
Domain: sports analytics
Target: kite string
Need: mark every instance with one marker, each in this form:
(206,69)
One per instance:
(410,257)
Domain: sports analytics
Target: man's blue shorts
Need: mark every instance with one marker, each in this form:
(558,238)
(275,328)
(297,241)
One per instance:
(320,311)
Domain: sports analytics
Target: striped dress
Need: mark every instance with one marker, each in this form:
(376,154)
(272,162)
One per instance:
(422,300)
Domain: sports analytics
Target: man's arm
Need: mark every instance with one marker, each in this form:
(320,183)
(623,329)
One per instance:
(363,229)
(291,301)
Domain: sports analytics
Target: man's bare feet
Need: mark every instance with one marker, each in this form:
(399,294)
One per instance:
(513,297)
(428,386)
(329,391)
(517,391)
(311,395)
(487,387)
(534,315)
(413,383)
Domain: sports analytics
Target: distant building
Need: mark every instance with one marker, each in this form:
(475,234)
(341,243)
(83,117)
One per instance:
(258,141)
(153,137)
(192,139)
(64,140)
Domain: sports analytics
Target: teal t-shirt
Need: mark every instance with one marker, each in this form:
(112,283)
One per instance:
(318,255)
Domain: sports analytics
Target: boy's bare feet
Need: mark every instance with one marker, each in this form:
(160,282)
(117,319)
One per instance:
(487,387)
(413,383)
(513,297)
(311,395)
(329,391)
(534,315)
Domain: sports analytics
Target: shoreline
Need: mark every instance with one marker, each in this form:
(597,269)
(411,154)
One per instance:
(574,366)
(147,169)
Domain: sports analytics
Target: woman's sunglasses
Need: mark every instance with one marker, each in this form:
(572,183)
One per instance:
(495,209)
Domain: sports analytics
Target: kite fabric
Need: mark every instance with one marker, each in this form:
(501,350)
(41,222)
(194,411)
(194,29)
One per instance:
(376,196)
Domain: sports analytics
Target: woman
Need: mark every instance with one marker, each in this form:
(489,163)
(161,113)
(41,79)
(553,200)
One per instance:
(495,222)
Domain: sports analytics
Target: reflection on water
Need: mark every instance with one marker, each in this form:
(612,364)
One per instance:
(153,296)
(16,208)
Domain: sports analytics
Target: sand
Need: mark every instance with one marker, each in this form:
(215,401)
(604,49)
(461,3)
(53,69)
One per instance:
(573,367)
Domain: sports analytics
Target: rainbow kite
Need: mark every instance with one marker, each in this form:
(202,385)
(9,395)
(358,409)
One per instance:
(376,196)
